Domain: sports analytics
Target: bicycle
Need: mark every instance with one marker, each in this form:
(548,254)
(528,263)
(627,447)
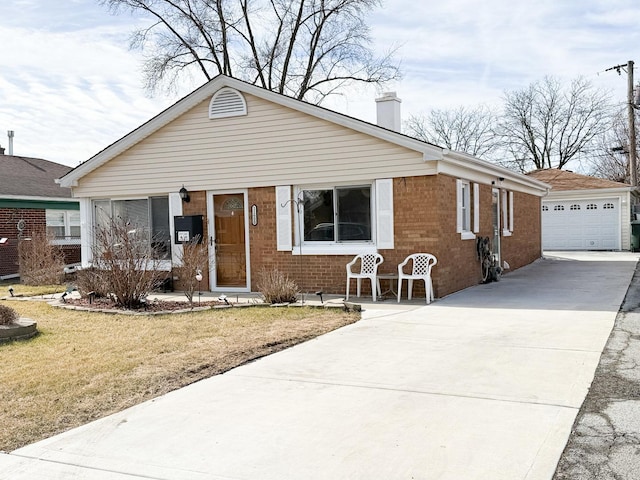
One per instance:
(489,266)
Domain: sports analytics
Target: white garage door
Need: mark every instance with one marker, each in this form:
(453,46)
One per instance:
(581,224)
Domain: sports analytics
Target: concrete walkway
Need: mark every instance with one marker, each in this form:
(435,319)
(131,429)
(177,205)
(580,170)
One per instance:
(483,384)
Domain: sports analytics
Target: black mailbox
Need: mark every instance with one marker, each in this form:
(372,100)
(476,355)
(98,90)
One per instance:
(188,227)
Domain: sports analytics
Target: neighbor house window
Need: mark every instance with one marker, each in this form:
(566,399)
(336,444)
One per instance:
(151,215)
(468,209)
(63,225)
(338,214)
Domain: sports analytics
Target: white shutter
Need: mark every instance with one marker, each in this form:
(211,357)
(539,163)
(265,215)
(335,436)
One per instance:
(283,216)
(384,213)
(511,211)
(476,208)
(505,211)
(86,232)
(175,210)
(459,206)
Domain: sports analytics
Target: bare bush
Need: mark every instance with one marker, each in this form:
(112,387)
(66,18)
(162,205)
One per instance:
(41,262)
(276,287)
(123,255)
(193,261)
(7,315)
(92,280)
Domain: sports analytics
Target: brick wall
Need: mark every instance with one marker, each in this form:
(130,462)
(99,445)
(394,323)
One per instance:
(197,205)
(34,220)
(425,221)
(525,245)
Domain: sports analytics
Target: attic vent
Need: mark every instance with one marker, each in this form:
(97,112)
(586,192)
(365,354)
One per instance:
(227,102)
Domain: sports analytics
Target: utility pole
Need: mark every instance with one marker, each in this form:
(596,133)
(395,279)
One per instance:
(631,106)
(632,125)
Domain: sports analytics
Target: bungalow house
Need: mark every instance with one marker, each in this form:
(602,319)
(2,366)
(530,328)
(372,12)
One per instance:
(30,201)
(273,182)
(586,213)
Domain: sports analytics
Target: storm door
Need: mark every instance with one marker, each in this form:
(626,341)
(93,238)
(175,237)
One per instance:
(227,242)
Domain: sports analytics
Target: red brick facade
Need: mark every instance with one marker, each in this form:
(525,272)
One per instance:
(34,220)
(424,221)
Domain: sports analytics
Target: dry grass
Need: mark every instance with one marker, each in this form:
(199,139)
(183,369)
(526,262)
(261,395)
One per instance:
(21,290)
(84,366)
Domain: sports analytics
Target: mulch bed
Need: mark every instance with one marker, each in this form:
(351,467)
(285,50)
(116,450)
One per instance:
(155,306)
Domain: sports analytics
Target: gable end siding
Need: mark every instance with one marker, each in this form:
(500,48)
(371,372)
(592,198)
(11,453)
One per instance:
(270,144)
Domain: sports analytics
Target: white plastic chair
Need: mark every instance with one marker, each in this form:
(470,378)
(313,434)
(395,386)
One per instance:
(368,269)
(422,264)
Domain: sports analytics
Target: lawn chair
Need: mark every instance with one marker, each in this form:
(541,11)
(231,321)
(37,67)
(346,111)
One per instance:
(368,269)
(421,270)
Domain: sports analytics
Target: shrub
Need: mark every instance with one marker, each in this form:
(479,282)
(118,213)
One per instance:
(7,315)
(193,259)
(126,262)
(92,280)
(41,263)
(276,287)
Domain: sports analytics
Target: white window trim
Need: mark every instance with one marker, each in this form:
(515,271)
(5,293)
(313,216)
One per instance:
(342,248)
(68,238)
(507,213)
(465,216)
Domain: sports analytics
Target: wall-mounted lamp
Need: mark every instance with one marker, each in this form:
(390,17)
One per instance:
(184,194)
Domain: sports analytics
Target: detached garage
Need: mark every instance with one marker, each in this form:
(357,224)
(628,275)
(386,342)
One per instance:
(585,213)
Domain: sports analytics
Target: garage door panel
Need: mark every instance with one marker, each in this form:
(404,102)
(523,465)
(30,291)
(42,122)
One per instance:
(581,225)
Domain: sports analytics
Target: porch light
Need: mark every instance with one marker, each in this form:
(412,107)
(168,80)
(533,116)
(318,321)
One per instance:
(184,194)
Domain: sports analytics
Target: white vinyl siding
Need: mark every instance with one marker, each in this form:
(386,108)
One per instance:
(272,142)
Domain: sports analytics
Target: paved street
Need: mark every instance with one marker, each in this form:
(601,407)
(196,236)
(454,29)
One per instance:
(483,384)
(605,441)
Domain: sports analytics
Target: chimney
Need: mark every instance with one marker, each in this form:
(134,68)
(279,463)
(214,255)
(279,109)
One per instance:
(10,135)
(388,109)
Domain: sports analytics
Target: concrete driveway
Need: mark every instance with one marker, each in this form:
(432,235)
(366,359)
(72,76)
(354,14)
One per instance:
(483,384)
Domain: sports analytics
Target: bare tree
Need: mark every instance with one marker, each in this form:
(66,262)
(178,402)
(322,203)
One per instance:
(612,160)
(547,125)
(464,129)
(306,49)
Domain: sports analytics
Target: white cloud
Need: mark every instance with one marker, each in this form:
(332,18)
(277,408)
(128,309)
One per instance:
(70,86)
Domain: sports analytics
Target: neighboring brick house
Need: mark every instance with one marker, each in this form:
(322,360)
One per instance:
(274,182)
(586,213)
(30,200)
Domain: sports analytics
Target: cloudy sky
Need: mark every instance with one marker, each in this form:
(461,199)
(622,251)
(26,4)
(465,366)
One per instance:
(70,86)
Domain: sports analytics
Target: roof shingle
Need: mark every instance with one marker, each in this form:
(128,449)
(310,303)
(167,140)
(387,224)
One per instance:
(565,180)
(31,177)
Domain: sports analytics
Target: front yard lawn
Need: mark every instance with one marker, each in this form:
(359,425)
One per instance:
(86,365)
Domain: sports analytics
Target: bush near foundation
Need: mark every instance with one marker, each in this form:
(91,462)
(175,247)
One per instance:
(276,287)
(41,262)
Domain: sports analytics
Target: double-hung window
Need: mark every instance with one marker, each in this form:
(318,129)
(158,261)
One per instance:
(63,225)
(149,215)
(507,213)
(468,209)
